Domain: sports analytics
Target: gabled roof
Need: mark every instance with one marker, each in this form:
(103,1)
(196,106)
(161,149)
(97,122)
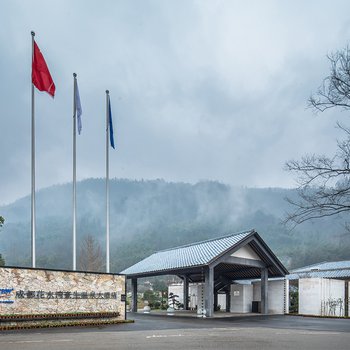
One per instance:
(333,269)
(194,255)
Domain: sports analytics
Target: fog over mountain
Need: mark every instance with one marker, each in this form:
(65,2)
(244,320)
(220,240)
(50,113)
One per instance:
(147,216)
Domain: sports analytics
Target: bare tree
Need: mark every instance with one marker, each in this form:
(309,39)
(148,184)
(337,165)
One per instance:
(324,182)
(90,257)
(335,89)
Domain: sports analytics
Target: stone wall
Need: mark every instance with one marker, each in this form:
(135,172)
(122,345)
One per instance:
(37,291)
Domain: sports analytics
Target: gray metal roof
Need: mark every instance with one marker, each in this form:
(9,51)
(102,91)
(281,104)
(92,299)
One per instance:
(325,266)
(191,255)
(334,269)
(190,259)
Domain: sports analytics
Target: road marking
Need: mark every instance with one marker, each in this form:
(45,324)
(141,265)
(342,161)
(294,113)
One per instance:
(226,329)
(194,332)
(36,341)
(307,333)
(163,336)
(28,341)
(318,333)
(22,341)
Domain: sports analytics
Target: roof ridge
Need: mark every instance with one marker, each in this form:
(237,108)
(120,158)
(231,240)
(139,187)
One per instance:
(325,270)
(205,241)
(308,266)
(304,268)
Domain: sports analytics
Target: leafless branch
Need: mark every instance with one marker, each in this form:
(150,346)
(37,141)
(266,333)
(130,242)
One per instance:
(90,257)
(324,182)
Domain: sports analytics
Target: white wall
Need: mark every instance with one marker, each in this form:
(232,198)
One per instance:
(277,295)
(194,291)
(247,253)
(222,301)
(177,289)
(196,296)
(316,296)
(245,294)
(348,297)
(241,298)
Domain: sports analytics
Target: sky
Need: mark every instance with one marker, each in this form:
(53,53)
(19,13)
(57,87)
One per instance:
(200,90)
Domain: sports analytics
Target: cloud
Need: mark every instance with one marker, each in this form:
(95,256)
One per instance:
(199,89)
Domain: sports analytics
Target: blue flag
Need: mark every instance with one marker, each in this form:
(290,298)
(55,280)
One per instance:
(111,137)
(79,111)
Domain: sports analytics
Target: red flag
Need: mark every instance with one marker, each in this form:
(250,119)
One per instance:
(41,76)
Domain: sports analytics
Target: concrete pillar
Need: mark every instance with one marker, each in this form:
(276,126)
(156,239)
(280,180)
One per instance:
(264,286)
(286,296)
(346,295)
(228,301)
(134,294)
(209,291)
(185,292)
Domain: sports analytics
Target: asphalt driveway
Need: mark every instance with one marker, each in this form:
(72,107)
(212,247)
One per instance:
(150,332)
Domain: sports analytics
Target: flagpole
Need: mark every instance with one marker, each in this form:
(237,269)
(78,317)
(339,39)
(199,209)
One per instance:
(74,174)
(107,182)
(33,221)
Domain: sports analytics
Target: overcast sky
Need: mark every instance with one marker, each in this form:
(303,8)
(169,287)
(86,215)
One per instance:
(199,89)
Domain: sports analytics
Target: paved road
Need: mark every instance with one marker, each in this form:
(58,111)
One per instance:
(159,332)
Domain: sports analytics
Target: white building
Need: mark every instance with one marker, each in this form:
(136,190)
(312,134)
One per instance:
(211,267)
(196,296)
(242,296)
(322,289)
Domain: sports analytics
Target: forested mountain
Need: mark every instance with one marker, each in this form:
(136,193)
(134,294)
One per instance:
(147,216)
